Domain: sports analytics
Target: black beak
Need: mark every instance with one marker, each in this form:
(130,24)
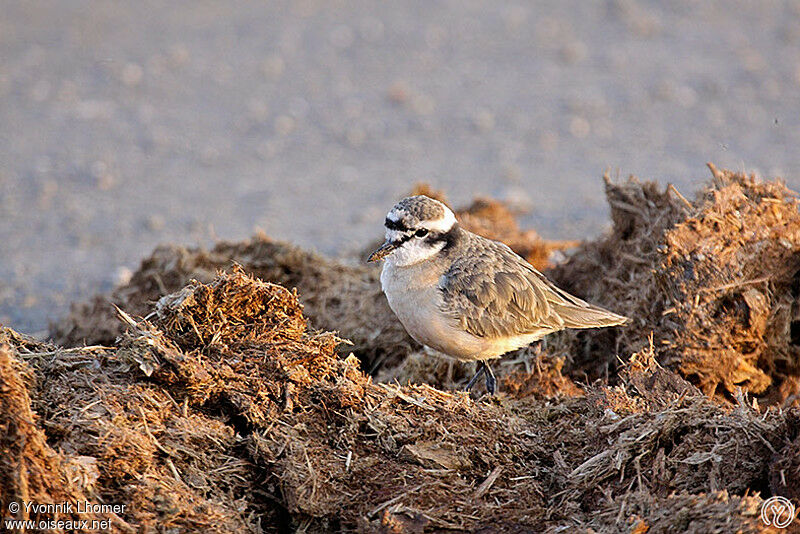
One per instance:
(384,250)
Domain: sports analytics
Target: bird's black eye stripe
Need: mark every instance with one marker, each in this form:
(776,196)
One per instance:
(434,238)
(403,239)
(395,225)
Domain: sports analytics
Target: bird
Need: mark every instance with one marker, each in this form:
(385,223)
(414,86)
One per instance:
(466,296)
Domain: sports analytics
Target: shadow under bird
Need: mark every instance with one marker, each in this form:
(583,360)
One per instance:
(468,297)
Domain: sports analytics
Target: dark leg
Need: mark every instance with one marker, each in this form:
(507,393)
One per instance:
(478,373)
(491,381)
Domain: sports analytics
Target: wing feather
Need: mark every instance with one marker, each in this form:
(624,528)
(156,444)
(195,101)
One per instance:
(494,293)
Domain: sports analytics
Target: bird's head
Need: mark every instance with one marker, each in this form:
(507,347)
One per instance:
(417,228)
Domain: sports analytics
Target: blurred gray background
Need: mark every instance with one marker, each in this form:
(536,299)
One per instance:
(128,124)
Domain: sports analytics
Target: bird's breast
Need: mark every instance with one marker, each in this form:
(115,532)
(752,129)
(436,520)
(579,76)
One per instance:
(414,296)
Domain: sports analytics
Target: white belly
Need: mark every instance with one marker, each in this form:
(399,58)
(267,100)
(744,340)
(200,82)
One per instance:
(415,298)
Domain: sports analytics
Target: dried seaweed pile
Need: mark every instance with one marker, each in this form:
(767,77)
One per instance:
(224,412)
(715,280)
(618,271)
(732,275)
(334,445)
(122,440)
(30,470)
(337,297)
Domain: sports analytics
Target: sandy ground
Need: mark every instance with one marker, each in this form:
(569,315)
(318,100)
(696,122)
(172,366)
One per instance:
(124,125)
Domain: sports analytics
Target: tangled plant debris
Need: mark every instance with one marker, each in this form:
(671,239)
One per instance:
(716,281)
(336,297)
(212,400)
(224,411)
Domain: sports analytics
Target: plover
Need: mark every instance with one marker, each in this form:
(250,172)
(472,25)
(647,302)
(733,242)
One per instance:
(468,297)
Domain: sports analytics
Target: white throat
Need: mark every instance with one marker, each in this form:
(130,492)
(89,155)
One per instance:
(412,252)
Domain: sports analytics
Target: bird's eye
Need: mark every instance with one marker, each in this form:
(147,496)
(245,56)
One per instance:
(422,232)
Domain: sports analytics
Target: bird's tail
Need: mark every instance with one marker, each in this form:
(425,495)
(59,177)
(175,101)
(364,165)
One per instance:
(577,313)
(576,316)
(574,312)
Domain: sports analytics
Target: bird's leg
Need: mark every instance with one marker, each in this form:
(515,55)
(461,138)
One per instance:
(537,354)
(491,381)
(478,373)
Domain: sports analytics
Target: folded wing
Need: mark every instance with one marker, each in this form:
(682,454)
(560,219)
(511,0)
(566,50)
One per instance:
(494,293)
